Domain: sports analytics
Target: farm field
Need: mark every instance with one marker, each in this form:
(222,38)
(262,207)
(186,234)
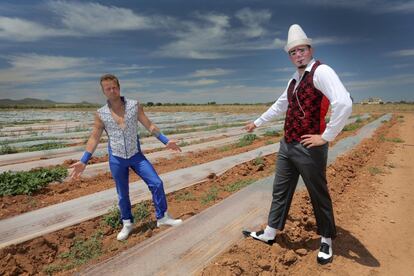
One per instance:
(362,177)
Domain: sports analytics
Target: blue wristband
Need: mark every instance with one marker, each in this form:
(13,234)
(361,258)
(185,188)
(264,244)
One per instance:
(163,139)
(86,156)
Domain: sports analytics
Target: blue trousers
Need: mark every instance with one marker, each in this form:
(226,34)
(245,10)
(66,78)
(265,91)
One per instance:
(120,172)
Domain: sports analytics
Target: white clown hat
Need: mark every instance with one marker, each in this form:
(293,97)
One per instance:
(296,37)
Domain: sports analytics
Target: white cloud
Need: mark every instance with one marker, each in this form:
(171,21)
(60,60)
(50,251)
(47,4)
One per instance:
(253,20)
(16,29)
(199,40)
(225,94)
(211,36)
(94,18)
(33,68)
(402,53)
(190,83)
(390,81)
(211,72)
(332,40)
(376,6)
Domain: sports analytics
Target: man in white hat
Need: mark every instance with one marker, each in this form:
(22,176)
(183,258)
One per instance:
(304,148)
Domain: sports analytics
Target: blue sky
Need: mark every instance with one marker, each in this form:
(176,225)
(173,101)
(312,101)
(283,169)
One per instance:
(200,51)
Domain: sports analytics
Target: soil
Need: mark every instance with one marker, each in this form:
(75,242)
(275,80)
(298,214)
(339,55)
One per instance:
(49,253)
(373,204)
(61,192)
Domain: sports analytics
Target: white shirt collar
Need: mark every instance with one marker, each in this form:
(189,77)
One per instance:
(308,69)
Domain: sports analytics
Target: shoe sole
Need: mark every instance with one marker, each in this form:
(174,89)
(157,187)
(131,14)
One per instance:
(247,234)
(322,261)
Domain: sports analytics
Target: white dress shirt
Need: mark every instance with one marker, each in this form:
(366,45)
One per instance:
(327,81)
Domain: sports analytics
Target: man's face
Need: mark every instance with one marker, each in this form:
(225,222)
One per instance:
(110,89)
(301,56)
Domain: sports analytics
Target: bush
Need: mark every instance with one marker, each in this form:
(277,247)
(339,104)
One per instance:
(18,183)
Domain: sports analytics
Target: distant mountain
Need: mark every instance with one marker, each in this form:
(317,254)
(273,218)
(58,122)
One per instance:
(30,102)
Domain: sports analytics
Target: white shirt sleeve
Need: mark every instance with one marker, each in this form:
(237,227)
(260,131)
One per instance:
(327,81)
(278,108)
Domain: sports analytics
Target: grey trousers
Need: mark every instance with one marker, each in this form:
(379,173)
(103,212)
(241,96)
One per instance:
(293,160)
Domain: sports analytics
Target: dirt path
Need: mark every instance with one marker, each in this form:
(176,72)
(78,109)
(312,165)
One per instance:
(373,203)
(386,230)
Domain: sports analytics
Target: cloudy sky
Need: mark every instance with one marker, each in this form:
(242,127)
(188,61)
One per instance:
(200,51)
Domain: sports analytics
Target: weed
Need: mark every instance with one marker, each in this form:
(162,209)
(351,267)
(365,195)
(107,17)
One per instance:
(6,149)
(258,161)
(113,217)
(211,195)
(225,148)
(351,127)
(185,196)
(374,170)
(382,138)
(46,146)
(272,133)
(239,185)
(246,140)
(84,250)
(141,211)
(183,144)
(395,140)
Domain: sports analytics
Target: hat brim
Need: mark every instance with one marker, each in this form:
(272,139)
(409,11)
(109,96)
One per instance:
(298,42)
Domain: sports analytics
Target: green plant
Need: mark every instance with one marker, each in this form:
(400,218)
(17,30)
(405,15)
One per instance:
(17,183)
(239,185)
(351,127)
(246,140)
(46,146)
(374,170)
(225,148)
(272,133)
(113,217)
(211,195)
(258,161)
(395,140)
(183,144)
(6,149)
(185,196)
(141,211)
(269,142)
(84,250)
(382,138)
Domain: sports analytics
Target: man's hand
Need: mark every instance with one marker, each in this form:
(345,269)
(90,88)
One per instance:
(250,127)
(78,169)
(172,144)
(312,140)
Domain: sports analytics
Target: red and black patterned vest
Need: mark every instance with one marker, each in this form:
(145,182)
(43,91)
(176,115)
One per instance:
(309,116)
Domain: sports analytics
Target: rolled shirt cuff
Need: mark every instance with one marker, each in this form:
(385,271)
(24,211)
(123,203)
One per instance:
(258,122)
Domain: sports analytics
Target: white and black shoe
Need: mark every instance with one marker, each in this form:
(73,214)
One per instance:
(260,236)
(325,254)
